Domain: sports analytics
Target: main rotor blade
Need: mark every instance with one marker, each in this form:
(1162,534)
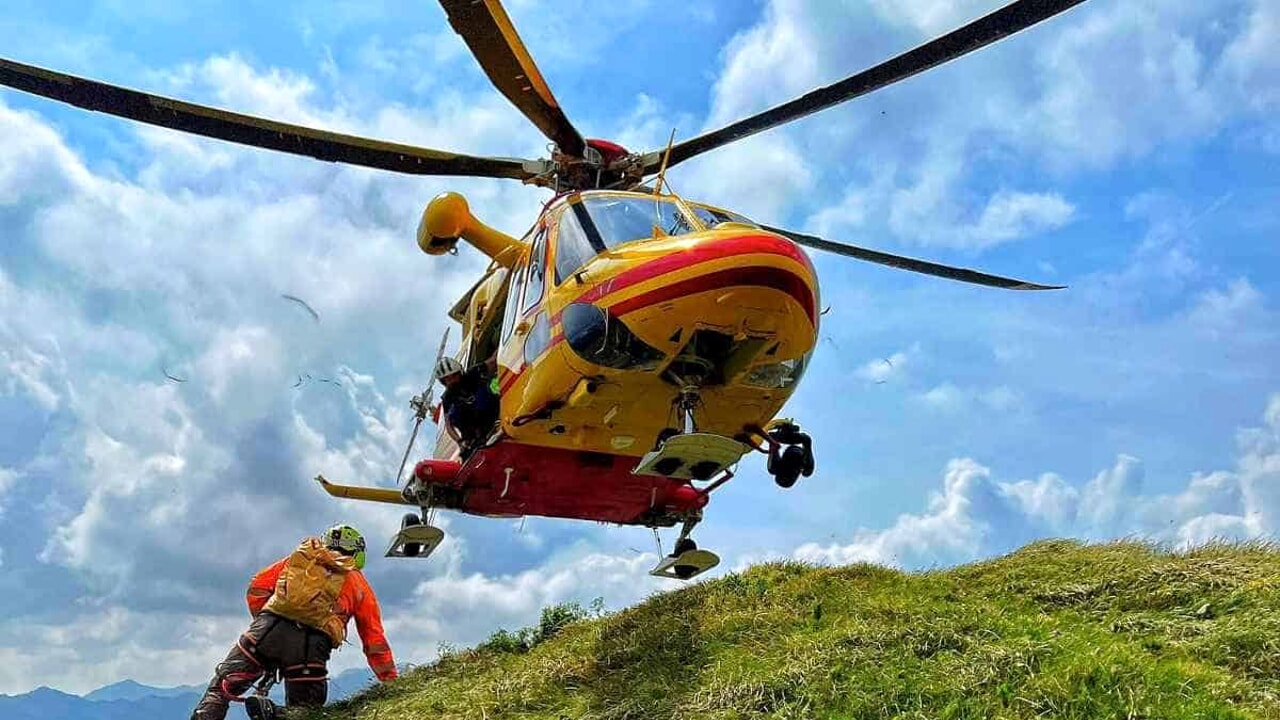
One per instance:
(906,263)
(1012,18)
(250,130)
(487,30)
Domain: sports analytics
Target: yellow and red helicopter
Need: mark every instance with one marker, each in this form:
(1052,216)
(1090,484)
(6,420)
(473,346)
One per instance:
(642,342)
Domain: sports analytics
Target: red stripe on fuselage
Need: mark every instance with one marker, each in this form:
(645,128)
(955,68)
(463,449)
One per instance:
(705,252)
(510,380)
(770,277)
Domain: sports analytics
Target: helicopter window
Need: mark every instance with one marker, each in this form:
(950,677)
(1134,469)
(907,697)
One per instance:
(539,338)
(536,274)
(712,217)
(596,224)
(513,292)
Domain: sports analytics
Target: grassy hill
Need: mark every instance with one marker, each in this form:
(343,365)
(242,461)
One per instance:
(1055,630)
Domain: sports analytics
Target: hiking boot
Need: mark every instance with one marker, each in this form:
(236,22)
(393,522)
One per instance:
(261,708)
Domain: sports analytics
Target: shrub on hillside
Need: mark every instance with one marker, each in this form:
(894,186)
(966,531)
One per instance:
(554,618)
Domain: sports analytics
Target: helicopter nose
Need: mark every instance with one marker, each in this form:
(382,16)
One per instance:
(747,271)
(715,294)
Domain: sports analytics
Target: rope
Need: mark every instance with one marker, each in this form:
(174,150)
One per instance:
(414,436)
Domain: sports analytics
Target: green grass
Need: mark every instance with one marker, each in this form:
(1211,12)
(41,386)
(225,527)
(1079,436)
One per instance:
(1055,630)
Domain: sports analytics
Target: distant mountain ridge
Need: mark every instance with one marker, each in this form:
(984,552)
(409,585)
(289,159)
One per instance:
(132,690)
(49,704)
(131,700)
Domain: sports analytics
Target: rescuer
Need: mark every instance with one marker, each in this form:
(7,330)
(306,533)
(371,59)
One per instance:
(470,403)
(300,607)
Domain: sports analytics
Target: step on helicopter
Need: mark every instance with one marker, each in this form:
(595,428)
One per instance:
(642,343)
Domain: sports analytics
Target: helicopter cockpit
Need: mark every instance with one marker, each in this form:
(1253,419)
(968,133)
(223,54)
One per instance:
(595,224)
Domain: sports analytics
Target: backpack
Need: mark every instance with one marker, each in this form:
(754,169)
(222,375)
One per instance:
(308,588)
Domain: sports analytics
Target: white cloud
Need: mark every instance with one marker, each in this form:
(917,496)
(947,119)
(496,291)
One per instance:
(98,648)
(944,397)
(38,169)
(932,17)
(581,31)
(954,528)
(928,213)
(778,48)
(882,369)
(951,398)
(975,516)
(1229,310)
(1013,215)
(7,478)
(1251,59)
(26,369)
(1120,79)
(518,598)
(768,173)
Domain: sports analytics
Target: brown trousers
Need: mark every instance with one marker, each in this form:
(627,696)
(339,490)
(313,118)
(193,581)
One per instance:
(271,643)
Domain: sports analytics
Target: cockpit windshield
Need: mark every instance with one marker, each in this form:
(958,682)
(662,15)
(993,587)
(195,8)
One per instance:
(596,224)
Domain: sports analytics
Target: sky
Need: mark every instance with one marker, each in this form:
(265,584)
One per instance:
(1127,149)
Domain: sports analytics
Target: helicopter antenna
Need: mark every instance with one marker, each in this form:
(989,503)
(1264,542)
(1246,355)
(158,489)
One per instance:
(421,405)
(657,189)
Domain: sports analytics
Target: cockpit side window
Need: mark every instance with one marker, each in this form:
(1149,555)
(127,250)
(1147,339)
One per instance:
(712,217)
(573,247)
(593,225)
(536,281)
(514,293)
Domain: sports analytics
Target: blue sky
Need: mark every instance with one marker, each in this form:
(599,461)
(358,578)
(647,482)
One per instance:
(1126,149)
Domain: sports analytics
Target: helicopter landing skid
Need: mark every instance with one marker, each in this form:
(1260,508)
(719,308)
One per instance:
(416,541)
(687,565)
(692,456)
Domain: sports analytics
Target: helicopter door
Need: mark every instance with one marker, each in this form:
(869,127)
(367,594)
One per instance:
(484,315)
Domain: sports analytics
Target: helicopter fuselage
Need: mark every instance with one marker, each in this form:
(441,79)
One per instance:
(603,342)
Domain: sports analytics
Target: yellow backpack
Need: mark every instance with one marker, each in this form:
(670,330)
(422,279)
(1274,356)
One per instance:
(308,588)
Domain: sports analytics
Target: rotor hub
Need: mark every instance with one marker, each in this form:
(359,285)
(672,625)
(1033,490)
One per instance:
(603,165)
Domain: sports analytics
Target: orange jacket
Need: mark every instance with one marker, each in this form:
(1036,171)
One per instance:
(356,600)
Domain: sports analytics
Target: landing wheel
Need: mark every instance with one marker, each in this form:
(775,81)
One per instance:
(409,519)
(665,435)
(683,571)
(686,560)
(787,469)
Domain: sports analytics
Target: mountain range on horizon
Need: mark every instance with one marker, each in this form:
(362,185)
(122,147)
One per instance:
(129,699)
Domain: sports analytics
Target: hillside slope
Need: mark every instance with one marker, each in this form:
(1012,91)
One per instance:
(1057,629)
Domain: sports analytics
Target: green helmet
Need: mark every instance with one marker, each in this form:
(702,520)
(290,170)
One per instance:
(346,540)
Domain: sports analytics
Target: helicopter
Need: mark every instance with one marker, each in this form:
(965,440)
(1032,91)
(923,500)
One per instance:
(641,343)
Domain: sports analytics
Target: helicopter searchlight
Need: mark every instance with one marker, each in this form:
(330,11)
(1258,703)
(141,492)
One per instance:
(448,217)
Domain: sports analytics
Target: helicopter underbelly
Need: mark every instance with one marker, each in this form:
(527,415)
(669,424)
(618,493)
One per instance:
(624,415)
(510,479)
